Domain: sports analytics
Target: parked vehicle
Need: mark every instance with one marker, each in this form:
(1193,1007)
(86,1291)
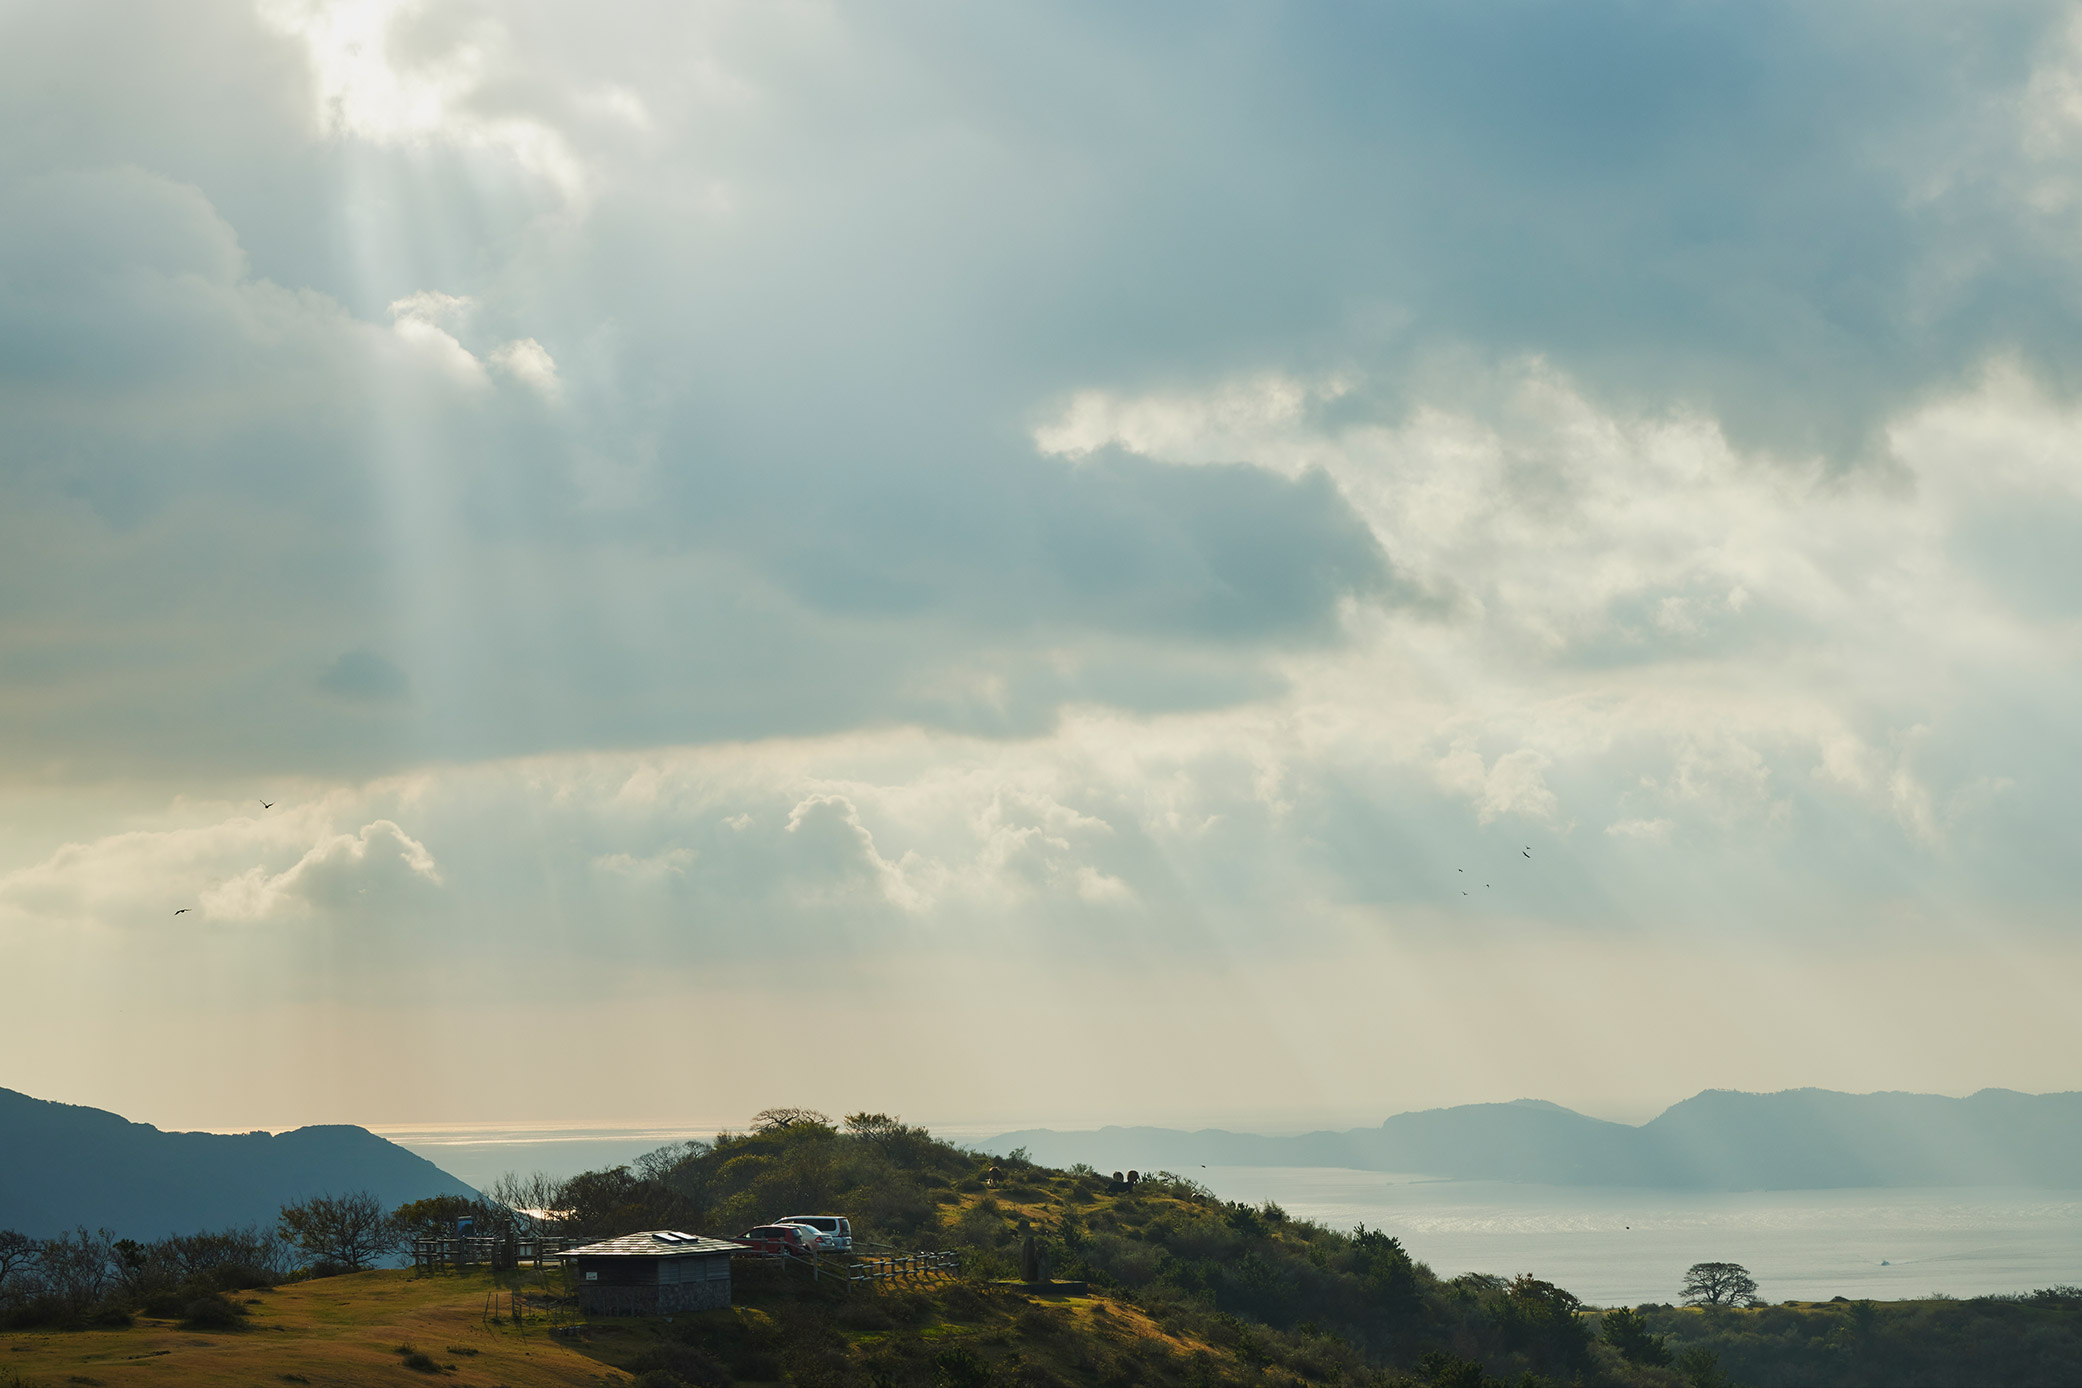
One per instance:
(776,1239)
(834,1232)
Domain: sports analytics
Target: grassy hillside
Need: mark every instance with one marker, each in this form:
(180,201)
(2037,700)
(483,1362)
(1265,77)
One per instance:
(365,1328)
(338,1331)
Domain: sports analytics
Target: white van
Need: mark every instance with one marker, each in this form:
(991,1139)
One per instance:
(834,1232)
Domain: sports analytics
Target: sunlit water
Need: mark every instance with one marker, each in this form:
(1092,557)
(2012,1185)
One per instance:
(1614,1246)
(479,1156)
(1608,1246)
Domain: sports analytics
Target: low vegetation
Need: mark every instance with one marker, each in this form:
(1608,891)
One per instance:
(92,1278)
(2035,1338)
(347,1331)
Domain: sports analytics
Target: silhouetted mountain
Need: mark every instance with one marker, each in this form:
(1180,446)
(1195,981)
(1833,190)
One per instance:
(1721,1139)
(62,1165)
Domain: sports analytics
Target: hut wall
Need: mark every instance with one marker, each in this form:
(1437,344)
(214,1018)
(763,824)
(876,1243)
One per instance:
(682,1284)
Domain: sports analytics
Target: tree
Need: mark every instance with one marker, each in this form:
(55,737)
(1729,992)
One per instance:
(779,1120)
(79,1269)
(17,1254)
(1701,1368)
(534,1198)
(1380,1259)
(1541,1317)
(1719,1284)
(436,1216)
(661,1162)
(875,1127)
(602,1204)
(348,1232)
(1626,1330)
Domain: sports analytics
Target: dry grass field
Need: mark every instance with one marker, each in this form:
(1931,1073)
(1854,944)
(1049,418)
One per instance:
(340,1331)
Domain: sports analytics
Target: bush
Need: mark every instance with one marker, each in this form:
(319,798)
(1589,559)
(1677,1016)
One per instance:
(863,1314)
(962,1302)
(212,1312)
(681,1364)
(762,1365)
(960,1368)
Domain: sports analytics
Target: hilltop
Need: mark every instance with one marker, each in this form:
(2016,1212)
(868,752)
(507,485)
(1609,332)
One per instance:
(1797,1139)
(64,1165)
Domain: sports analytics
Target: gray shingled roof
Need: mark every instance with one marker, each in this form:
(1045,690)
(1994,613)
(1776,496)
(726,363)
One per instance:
(655,1243)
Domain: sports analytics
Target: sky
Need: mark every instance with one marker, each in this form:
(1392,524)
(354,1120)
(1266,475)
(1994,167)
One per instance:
(1255,564)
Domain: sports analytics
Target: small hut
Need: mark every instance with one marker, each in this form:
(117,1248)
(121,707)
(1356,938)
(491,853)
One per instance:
(656,1273)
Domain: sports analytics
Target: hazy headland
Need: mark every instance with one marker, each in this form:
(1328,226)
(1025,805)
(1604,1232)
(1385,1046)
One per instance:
(1800,1139)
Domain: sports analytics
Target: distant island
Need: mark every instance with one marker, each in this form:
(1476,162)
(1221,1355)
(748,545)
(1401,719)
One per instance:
(1797,1139)
(64,1165)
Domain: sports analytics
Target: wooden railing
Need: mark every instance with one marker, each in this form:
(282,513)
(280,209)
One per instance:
(905,1267)
(850,1270)
(465,1250)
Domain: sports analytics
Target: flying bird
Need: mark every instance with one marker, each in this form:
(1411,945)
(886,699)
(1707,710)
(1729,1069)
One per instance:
(1528,853)
(267,804)
(184,910)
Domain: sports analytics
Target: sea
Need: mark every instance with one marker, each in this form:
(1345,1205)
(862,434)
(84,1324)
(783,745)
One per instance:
(1624,1246)
(1609,1246)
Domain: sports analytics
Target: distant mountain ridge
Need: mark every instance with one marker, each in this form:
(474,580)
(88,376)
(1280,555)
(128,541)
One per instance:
(1721,1139)
(63,1165)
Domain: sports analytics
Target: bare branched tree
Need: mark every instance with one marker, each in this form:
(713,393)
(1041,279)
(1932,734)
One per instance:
(78,1269)
(875,1127)
(533,1195)
(659,1163)
(774,1120)
(347,1231)
(17,1257)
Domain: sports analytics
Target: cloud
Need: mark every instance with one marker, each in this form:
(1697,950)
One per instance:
(528,362)
(678,490)
(366,870)
(136,880)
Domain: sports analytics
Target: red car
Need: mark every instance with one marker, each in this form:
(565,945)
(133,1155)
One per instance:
(778,1238)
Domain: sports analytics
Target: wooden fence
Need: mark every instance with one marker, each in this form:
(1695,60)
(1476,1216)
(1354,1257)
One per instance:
(466,1250)
(851,1270)
(905,1267)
